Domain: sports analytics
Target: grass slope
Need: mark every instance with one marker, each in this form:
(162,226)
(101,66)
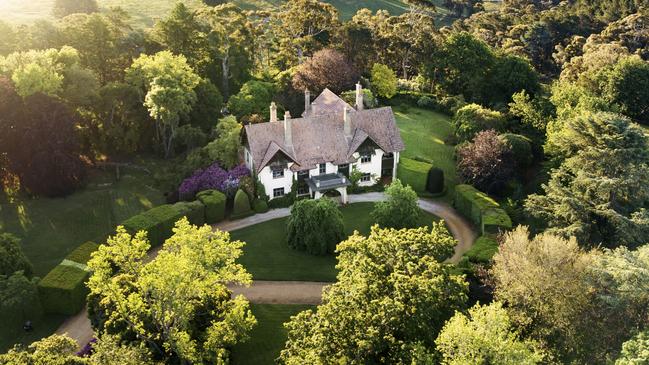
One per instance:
(144,13)
(267,339)
(423,132)
(268,257)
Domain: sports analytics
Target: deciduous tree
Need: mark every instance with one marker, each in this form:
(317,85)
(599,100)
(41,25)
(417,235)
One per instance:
(225,148)
(327,68)
(391,299)
(384,81)
(177,304)
(486,163)
(399,210)
(315,226)
(485,335)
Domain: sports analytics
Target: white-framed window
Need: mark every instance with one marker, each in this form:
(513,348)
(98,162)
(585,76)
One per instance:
(366,177)
(366,158)
(277,192)
(278,174)
(323,168)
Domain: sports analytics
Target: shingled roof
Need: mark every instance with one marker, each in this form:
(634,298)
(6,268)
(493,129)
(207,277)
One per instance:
(320,137)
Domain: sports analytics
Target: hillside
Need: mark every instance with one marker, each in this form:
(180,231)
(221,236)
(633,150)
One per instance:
(145,12)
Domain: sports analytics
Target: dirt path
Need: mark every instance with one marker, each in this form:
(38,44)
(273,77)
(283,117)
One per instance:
(295,292)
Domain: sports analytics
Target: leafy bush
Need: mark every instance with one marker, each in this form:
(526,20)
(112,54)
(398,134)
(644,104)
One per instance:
(260,206)
(19,300)
(520,147)
(435,181)
(427,102)
(254,97)
(483,249)
(384,81)
(473,118)
(62,290)
(12,258)
(215,203)
(281,202)
(315,226)
(481,209)
(400,210)
(241,208)
(158,222)
(451,104)
(82,253)
(194,211)
(486,163)
(369,100)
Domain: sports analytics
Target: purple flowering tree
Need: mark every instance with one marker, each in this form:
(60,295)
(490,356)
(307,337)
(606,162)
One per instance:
(213,177)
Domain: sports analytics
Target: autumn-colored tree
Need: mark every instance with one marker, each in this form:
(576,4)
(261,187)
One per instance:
(327,68)
(486,163)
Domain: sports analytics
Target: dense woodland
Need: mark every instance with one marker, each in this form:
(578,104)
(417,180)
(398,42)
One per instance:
(549,103)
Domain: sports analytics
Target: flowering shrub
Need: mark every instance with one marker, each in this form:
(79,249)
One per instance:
(213,177)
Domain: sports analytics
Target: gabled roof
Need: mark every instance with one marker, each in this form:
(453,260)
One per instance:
(320,137)
(328,102)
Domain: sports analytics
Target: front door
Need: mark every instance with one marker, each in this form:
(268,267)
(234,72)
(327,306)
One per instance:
(344,169)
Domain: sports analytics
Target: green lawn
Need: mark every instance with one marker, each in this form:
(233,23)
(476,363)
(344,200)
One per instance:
(268,257)
(51,228)
(423,132)
(267,339)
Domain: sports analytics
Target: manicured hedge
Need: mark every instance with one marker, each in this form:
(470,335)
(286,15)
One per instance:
(158,222)
(63,290)
(241,208)
(481,209)
(82,253)
(435,181)
(260,206)
(483,250)
(194,211)
(214,202)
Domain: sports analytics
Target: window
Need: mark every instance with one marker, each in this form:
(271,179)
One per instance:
(277,174)
(366,177)
(303,174)
(366,158)
(323,168)
(278,192)
(303,190)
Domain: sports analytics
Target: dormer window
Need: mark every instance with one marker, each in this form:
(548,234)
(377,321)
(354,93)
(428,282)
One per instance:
(366,158)
(278,173)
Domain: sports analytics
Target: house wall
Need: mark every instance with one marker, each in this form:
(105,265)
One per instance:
(373,167)
(270,183)
(286,182)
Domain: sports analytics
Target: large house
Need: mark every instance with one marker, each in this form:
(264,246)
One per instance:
(321,149)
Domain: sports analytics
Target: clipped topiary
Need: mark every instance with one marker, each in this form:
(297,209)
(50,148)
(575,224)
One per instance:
(194,211)
(435,180)
(215,203)
(260,206)
(241,207)
(82,254)
(157,222)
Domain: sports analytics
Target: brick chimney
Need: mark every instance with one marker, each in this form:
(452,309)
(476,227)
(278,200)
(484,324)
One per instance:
(359,96)
(273,112)
(307,102)
(347,122)
(288,134)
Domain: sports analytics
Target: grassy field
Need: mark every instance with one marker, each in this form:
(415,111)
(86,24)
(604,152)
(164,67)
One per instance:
(268,257)
(144,13)
(423,132)
(267,339)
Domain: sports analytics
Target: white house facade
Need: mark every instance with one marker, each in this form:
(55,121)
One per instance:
(319,151)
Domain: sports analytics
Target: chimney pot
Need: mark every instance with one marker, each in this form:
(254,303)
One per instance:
(273,112)
(347,123)
(288,134)
(359,96)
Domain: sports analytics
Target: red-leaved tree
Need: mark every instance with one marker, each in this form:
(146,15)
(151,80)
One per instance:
(486,163)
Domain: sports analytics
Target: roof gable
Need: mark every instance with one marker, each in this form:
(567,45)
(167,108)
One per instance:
(328,102)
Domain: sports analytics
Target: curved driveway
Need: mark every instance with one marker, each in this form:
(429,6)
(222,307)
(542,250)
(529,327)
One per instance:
(295,292)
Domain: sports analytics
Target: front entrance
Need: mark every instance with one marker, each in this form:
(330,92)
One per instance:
(387,165)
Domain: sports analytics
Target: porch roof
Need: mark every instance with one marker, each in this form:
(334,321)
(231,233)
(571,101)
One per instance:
(327,182)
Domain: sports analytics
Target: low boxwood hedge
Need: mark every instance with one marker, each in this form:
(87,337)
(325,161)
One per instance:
(215,203)
(481,209)
(194,211)
(483,250)
(241,208)
(158,222)
(63,290)
(260,206)
(82,253)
